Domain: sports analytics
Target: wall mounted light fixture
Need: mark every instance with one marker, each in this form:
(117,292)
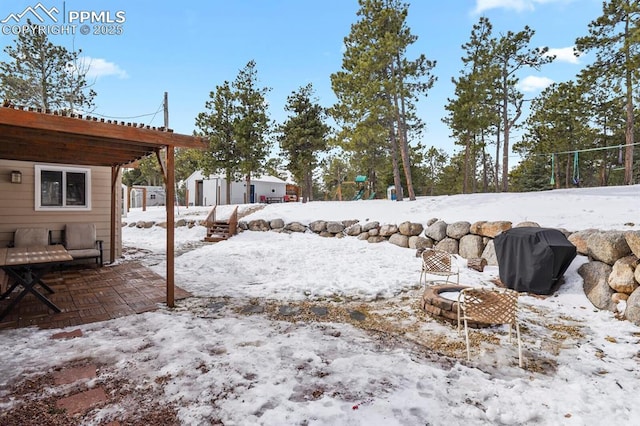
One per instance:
(16,176)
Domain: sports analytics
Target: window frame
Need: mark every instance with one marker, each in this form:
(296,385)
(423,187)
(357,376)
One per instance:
(39,168)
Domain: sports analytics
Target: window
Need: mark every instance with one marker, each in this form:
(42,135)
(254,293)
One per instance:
(67,188)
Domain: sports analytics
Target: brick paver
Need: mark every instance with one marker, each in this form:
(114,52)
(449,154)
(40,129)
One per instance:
(83,401)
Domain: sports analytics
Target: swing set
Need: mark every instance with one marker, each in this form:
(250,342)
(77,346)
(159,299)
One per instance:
(575,178)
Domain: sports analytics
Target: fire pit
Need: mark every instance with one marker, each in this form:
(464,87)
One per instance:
(441,302)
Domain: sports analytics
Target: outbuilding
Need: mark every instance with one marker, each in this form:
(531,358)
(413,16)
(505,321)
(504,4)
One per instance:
(212,190)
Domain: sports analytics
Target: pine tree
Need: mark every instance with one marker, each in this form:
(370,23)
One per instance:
(557,130)
(303,136)
(336,170)
(43,75)
(511,54)
(435,160)
(607,112)
(252,126)
(218,125)
(614,38)
(237,126)
(473,113)
(378,85)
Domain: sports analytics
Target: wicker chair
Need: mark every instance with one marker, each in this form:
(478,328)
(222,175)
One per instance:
(441,263)
(489,306)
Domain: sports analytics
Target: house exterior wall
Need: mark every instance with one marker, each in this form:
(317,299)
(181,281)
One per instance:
(269,189)
(17,206)
(266,186)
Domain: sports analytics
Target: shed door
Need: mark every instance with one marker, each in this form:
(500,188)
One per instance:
(199,193)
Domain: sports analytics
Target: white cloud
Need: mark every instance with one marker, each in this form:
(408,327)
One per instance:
(533,83)
(564,54)
(98,67)
(517,5)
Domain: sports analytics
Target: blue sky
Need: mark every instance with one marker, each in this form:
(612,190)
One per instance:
(187,48)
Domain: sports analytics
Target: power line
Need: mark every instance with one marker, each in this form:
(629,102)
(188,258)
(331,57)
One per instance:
(119,118)
(151,114)
(595,149)
(580,150)
(161,107)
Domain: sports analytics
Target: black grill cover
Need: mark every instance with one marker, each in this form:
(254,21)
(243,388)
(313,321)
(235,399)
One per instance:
(533,259)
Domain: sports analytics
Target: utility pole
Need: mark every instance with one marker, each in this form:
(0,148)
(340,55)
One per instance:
(166,110)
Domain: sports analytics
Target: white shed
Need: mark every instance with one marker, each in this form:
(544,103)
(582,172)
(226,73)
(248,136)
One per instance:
(212,190)
(155,196)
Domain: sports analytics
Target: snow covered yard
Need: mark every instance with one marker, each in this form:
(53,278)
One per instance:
(298,329)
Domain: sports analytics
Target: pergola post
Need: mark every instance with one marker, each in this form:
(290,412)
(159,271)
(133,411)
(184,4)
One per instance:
(170,182)
(35,136)
(115,193)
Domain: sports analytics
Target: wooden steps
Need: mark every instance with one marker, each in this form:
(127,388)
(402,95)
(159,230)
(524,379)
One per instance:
(219,230)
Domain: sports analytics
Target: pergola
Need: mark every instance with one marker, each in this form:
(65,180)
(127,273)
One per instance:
(34,135)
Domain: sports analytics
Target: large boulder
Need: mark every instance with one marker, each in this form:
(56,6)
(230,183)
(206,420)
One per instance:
(335,227)
(458,230)
(349,222)
(450,245)
(410,229)
(318,226)
(432,221)
(437,230)
(632,311)
(258,225)
(420,243)
(296,227)
(489,253)
(607,246)
(622,277)
(399,240)
(633,240)
(388,230)
(353,230)
(370,225)
(276,224)
(490,229)
(471,246)
(145,224)
(579,239)
(595,286)
(376,239)
(527,224)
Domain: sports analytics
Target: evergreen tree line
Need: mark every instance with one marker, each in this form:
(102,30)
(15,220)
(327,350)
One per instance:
(578,132)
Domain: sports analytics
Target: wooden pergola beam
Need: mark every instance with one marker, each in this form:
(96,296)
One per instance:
(51,138)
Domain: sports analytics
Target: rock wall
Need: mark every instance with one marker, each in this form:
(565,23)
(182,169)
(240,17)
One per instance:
(611,276)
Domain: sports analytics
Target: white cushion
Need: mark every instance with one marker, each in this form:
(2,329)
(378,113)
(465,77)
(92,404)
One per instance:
(80,236)
(25,237)
(84,254)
